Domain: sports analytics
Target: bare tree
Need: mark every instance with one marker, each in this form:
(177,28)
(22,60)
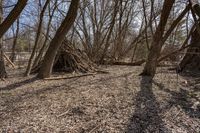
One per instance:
(15,42)
(13,15)
(191,59)
(5,25)
(44,45)
(156,45)
(3,73)
(38,34)
(46,68)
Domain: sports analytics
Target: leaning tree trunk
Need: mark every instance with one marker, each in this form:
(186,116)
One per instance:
(3,73)
(5,25)
(38,34)
(13,15)
(191,60)
(47,65)
(44,45)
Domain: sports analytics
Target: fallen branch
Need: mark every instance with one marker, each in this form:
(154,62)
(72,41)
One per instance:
(137,63)
(9,61)
(174,52)
(3,79)
(63,114)
(96,127)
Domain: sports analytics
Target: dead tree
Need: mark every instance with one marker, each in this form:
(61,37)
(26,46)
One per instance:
(47,65)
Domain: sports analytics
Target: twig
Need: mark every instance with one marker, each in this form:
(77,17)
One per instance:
(95,127)
(3,79)
(11,63)
(99,124)
(176,114)
(169,111)
(137,63)
(63,114)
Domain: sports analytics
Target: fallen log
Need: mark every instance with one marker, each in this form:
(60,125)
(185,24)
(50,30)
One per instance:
(137,63)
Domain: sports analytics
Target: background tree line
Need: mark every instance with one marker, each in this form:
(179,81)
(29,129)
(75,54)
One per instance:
(107,31)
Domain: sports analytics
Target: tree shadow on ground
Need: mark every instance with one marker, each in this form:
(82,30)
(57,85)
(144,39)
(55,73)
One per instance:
(29,94)
(146,117)
(185,99)
(19,84)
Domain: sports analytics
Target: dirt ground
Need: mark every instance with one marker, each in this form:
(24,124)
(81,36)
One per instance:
(117,102)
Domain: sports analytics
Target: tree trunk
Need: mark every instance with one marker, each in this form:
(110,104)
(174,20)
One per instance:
(192,56)
(156,45)
(12,58)
(44,45)
(191,60)
(30,62)
(46,68)
(107,44)
(5,25)
(3,73)
(13,15)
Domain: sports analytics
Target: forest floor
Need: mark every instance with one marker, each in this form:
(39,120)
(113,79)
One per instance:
(117,102)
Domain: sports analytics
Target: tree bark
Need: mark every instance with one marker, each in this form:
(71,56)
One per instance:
(3,73)
(13,15)
(30,62)
(191,59)
(192,56)
(46,68)
(12,58)
(156,45)
(44,45)
(107,44)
